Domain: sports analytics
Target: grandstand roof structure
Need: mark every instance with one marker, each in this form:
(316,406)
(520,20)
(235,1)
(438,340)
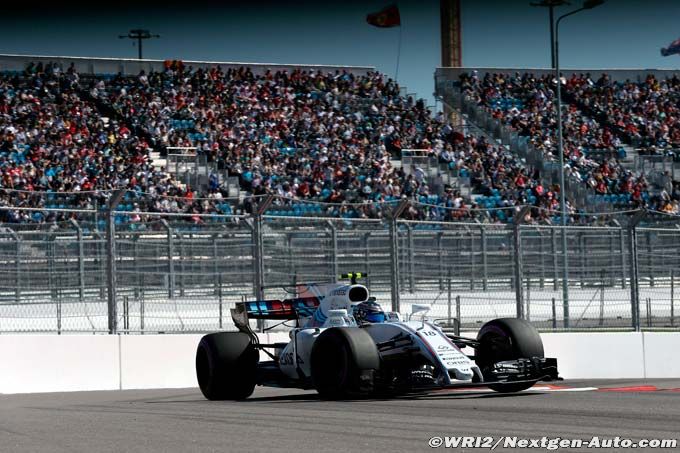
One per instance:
(130,66)
(443,74)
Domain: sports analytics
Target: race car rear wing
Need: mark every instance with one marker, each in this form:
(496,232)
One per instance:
(285,310)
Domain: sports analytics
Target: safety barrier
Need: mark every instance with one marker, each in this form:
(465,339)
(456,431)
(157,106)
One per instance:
(50,363)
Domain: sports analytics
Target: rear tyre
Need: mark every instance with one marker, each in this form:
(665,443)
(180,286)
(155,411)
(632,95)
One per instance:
(343,361)
(225,366)
(507,339)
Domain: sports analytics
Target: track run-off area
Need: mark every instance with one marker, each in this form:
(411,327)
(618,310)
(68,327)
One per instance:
(281,420)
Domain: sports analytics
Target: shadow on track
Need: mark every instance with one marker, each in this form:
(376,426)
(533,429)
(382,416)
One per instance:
(314,397)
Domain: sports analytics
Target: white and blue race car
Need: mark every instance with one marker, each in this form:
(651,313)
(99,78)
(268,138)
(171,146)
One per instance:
(344,345)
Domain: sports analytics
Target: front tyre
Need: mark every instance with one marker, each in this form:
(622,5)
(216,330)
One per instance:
(507,339)
(226,363)
(343,361)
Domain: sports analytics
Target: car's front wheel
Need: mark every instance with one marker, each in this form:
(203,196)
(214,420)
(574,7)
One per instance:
(343,361)
(507,339)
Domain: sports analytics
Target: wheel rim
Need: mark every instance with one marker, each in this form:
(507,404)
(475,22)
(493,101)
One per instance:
(497,346)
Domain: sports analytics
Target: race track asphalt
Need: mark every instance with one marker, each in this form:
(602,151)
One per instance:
(292,420)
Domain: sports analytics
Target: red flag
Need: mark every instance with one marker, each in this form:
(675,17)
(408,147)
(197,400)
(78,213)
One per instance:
(385,18)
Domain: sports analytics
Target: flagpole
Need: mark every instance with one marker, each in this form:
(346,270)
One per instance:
(396,73)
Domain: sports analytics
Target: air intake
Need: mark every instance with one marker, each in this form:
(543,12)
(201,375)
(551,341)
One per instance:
(358,294)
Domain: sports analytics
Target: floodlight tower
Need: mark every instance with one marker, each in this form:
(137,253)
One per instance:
(140,35)
(551,4)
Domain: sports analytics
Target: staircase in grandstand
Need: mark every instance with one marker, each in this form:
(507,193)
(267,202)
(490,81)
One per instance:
(423,163)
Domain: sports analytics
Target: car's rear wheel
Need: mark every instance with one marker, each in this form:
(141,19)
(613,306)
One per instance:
(342,362)
(226,363)
(507,339)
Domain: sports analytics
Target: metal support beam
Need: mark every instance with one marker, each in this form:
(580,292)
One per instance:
(17,266)
(553,252)
(81,260)
(334,250)
(411,267)
(171,258)
(111,260)
(485,267)
(517,241)
(634,273)
(394,253)
(394,264)
(622,245)
(258,246)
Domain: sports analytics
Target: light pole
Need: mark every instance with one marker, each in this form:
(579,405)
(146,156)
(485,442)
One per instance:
(139,35)
(551,4)
(588,4)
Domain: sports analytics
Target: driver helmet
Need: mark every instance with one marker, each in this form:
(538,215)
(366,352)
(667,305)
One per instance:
(368,312)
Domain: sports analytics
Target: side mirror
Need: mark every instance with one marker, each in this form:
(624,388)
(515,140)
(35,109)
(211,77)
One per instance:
(419,308)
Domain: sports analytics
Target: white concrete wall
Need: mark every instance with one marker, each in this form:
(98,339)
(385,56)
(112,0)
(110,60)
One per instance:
(147,361)
(662,351)
(61,363)
(597,355)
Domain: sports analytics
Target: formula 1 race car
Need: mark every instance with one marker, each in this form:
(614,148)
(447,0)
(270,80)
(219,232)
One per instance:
(344,345)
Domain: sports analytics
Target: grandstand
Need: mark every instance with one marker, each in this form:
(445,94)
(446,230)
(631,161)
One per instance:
(75,129)
(620,128)
(172,189)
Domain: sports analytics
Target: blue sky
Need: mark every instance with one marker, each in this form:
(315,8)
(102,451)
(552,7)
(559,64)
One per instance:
(621,33)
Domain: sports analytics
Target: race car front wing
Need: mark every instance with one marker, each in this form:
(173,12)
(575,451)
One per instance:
(536,368)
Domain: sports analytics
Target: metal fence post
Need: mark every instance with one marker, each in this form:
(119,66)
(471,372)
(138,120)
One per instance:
(672,297)
(440,253)
(519,294)
(527,312)
(634,295)
(458,315)
(111,260)
(411,268)
(170,245)
(602,286)
(650,259)
(472,259)
(519,274)
(215,272)
(254,234)
(51,268)
(180,259)
(334,250)
(554,314)
(257,242)
(553,251)
(448,311)
(485,269)
(219,299)
(541,253)
(81,260)
(367,252)
(394,253)
(17,266)
(634,275)
(99,261)
(139,288)
(394,265)
(142,309)
(259,248)
(623,258)
(582,246)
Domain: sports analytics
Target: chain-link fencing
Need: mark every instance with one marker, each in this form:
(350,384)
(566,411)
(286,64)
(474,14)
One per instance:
(184,272)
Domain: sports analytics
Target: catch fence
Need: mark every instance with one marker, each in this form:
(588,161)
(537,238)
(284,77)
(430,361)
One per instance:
(182,273)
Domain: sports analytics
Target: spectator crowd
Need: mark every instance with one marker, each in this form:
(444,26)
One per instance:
(602,116)
(69,140)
